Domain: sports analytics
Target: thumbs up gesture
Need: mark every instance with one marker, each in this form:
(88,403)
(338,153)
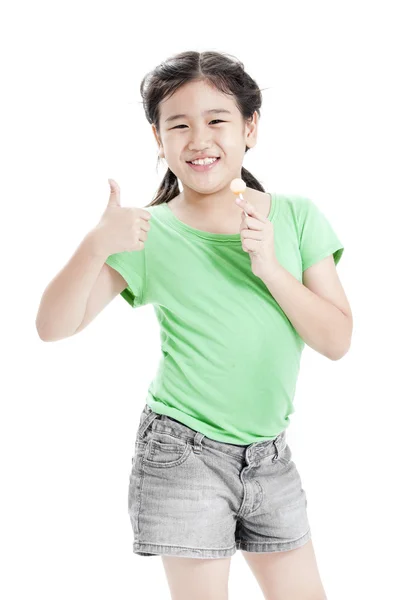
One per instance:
(122,229)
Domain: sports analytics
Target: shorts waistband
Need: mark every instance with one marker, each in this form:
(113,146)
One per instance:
(163,423)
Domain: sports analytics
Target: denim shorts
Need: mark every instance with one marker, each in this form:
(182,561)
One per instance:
(195,497)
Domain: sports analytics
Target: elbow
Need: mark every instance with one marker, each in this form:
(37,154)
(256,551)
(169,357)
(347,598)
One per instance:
(42,337)
(338,351)
(337,356)
(40,333)
(40,329)
(340,345)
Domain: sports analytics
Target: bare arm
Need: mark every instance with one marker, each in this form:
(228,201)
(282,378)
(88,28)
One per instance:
(109,284)
(63,304)
(318,309)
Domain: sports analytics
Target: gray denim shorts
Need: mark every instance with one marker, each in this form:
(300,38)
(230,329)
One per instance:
(195,497)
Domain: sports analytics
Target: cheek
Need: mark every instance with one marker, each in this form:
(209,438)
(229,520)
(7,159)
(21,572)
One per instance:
(232,144)
(173,151)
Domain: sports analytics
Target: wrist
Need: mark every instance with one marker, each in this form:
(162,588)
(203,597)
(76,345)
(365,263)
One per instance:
(94,240)
(272,272)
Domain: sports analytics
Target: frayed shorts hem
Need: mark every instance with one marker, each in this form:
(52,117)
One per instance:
(148,549)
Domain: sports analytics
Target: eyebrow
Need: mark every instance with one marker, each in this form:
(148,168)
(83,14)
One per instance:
(205,112)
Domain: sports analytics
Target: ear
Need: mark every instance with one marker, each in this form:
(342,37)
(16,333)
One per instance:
(251,130)
(153,128)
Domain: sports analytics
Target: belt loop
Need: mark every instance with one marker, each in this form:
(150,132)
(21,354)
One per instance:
(276,456)
(147,423)
(198,438)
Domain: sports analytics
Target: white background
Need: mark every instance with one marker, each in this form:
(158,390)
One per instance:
(71,118)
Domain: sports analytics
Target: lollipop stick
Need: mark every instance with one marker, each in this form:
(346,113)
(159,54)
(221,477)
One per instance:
(241,197)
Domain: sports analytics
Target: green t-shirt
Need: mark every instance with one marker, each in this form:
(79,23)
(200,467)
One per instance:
(230,356)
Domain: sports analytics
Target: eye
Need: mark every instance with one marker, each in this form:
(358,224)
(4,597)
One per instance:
(213,121)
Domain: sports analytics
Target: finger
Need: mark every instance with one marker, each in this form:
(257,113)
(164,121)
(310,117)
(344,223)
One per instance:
(249,234)
(115,193)
(251,223)
(249,209)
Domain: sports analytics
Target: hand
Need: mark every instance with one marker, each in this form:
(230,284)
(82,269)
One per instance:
(257,233)
(121,229)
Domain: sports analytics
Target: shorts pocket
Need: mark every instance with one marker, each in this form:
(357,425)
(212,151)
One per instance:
(139,451)
(165,451)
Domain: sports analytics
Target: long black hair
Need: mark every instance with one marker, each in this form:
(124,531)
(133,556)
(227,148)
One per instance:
(224,73)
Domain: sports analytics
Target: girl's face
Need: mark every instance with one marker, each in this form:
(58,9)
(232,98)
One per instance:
(223,134)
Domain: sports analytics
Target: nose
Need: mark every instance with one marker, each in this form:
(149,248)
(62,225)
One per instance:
(199,141)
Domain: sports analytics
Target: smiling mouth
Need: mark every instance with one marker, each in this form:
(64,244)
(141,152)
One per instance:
(214,157)
(203,167)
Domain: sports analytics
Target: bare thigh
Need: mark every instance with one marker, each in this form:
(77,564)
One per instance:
(288,575)
(197,578)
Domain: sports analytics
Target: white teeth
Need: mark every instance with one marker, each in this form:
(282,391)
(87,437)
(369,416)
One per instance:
(203,161)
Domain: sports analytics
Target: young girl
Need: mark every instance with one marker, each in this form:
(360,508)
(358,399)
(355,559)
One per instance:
(238,289)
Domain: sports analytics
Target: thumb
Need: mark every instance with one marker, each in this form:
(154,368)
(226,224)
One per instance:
(114,199)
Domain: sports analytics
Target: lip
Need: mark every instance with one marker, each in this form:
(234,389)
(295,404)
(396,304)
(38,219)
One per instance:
(201,168)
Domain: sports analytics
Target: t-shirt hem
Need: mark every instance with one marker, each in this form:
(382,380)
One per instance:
(197,425)
(324,254)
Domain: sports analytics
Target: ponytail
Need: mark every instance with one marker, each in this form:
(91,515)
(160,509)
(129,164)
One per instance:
(169,187)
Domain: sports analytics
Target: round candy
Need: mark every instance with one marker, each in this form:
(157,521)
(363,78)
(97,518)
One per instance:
(238,186)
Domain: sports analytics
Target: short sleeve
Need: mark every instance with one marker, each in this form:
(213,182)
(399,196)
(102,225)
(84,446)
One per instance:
(131,265)
(317,238)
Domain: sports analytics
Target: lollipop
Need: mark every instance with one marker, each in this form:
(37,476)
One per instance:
(238,186)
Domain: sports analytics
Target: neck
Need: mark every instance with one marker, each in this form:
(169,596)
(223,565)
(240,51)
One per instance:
(212,205)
